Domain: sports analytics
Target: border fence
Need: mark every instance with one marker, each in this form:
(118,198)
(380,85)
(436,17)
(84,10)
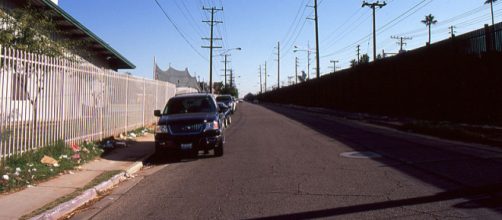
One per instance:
(455,80)
(45,99)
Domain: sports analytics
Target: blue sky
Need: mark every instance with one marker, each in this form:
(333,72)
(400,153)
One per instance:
(139,30)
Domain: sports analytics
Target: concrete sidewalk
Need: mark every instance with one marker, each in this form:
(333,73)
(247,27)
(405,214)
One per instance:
(18,204)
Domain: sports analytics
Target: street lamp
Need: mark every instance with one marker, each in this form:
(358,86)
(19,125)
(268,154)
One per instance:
(309,51)
(224,53)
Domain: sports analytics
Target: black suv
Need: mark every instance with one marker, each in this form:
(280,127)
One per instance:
(190,123)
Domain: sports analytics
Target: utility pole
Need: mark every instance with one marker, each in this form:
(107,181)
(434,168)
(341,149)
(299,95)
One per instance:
(316,21)
(358,53)
(265,76)
(296,70)
(491,8)
(278,65)
(452,31)
(334,64)
(308,60)
(317,39)
(225,61)
(231,78)
(261,89)
(212,22)
(401,41)
(374,6)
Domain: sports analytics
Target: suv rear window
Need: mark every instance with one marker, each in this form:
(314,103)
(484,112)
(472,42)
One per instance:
(223,98)
(189,105)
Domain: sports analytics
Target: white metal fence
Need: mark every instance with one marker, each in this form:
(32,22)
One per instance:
(44,99)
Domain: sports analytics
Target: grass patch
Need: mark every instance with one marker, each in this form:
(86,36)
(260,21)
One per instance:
(21,170)
(466,133)
(97,180)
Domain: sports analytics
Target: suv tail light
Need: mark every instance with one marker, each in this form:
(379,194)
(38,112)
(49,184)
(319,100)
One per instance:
(213,125)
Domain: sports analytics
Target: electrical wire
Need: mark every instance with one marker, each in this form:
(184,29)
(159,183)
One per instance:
(179,31)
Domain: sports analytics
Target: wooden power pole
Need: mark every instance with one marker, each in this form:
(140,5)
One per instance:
(211,39)
(374,6)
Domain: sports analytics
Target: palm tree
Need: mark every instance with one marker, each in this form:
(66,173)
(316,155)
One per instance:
(491,6)
(429,21)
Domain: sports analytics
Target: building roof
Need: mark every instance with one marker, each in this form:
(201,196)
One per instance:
(75,29)
(177,77)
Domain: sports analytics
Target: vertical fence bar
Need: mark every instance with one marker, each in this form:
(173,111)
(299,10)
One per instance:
(2,103)
(29,123)
(22,81)
(49,101)
(144,101)
(9,98)
(16,103)
(64,71)
(126,104)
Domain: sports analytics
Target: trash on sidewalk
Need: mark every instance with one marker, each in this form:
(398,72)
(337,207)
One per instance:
(17,171)
(75,156)
(49,161)
(107,145)
(120,144)
(75,147)
(112,143)
(85,150)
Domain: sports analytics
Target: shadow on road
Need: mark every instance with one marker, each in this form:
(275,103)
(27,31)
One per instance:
(486,192)
(182,157)
(462,171)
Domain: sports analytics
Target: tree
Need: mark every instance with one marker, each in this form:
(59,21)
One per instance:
(228,90)
(429,21)
(353,63)
(365,58)
(491,7)
(303,77)
(34,30)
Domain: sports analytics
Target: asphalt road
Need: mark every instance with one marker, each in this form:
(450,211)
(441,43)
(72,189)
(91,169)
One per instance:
(283,162)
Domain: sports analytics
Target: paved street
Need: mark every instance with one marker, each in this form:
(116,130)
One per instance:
(284,162)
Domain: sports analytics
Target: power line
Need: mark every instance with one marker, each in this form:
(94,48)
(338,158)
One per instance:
(380,29)
(179,31)
(184,11)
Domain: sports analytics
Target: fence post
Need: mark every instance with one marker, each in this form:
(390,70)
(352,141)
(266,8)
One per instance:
(489,38)
(102,112)
(127,103)
(144,101)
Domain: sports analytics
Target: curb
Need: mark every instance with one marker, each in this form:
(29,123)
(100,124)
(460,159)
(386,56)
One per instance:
(66,208)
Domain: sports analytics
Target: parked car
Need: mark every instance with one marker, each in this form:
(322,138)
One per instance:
(190,123)
(228,100)
(225,110)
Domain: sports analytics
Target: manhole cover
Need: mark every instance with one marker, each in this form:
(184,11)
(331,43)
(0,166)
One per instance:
(360,154)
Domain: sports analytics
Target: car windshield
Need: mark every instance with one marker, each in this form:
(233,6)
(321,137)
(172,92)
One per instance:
(224,98)
(189,105)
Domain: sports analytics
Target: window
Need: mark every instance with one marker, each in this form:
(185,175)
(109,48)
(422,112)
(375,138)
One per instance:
(189,105)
